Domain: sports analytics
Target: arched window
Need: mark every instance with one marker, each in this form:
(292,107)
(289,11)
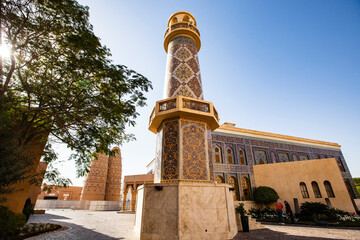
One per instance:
(242,158)
(186,18)
(304,191)
(245,185)
(329,189)
(340,164)
(229,156)
(233,182)
(174,20)
(316,189)
(217,154)
(219,179)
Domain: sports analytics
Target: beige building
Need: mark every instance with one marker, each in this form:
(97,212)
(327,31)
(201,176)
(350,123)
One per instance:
(61,193)
(306,181)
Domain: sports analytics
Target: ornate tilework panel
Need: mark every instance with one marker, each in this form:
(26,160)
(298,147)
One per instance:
(273,157)
(183,71)
(210,159)
(193,150)
(283,157)
(260,157)
(303,157)
(170,156)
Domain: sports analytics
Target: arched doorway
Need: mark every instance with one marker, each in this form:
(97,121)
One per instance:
(245,185)
(127,198)
(234,183)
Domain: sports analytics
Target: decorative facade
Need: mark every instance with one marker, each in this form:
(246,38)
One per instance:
(236,151)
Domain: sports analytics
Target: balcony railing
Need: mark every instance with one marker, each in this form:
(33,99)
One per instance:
(182,25)
(195,105)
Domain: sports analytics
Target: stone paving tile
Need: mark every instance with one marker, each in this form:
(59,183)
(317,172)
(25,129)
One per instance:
(89,225)
(108,225)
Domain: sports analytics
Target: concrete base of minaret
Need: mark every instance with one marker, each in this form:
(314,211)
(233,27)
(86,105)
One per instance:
(185,210)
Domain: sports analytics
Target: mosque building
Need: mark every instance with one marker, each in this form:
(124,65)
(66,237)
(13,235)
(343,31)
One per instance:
(299,169)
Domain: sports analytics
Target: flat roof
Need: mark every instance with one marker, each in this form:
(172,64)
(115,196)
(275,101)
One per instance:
(231,129)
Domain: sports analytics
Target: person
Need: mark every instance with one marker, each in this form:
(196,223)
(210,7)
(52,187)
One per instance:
(289,211)
(279,207)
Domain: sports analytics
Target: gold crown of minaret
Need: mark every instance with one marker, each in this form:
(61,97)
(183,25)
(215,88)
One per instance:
(182,23)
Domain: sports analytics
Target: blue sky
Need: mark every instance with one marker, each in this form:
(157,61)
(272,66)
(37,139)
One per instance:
(287,67)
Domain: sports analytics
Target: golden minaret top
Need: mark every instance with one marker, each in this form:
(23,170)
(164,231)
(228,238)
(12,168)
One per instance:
(182,43)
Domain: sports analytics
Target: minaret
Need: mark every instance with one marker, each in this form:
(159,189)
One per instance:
(182,43)
(184,202)
(183,120)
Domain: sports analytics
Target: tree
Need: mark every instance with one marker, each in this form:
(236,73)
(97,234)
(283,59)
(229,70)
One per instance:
(357,184)
(265,195)
(59,84)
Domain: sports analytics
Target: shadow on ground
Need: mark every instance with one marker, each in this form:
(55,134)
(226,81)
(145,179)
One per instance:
(73,232)
(311,226)
(270,234)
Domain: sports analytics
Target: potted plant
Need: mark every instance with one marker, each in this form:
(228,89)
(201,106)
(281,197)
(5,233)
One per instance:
(244,218)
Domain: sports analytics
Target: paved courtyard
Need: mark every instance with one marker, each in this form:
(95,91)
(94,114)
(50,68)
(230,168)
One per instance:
(91,225)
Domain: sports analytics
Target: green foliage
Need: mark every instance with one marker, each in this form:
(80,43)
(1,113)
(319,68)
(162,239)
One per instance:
(357,181)
(319,217)
(265,195)
(357,184)
(10,222)
(60,82)
(308,209)
(265,213)
(240,209)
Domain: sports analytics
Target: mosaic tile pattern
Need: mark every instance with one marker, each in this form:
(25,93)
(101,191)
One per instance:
(260,156)
(170,158)
(193,150)
(283,157)
(183,71)
(211,165)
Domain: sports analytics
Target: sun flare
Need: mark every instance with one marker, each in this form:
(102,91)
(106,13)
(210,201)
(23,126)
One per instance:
(4,50)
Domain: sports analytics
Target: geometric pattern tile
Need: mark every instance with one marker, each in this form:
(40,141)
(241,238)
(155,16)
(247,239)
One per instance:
(170,156)
(193,150)
(183,66)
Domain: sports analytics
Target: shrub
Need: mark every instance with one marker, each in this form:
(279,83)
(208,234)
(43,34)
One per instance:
(10,222)
(265,195)
(308,209)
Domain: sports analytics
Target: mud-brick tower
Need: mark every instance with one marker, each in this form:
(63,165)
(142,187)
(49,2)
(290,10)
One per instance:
(184,202)
(103,183)
(113,181)
(95,183)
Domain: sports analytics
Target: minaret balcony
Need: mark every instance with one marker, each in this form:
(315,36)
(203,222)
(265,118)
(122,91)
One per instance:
(182,28)
(183,107)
